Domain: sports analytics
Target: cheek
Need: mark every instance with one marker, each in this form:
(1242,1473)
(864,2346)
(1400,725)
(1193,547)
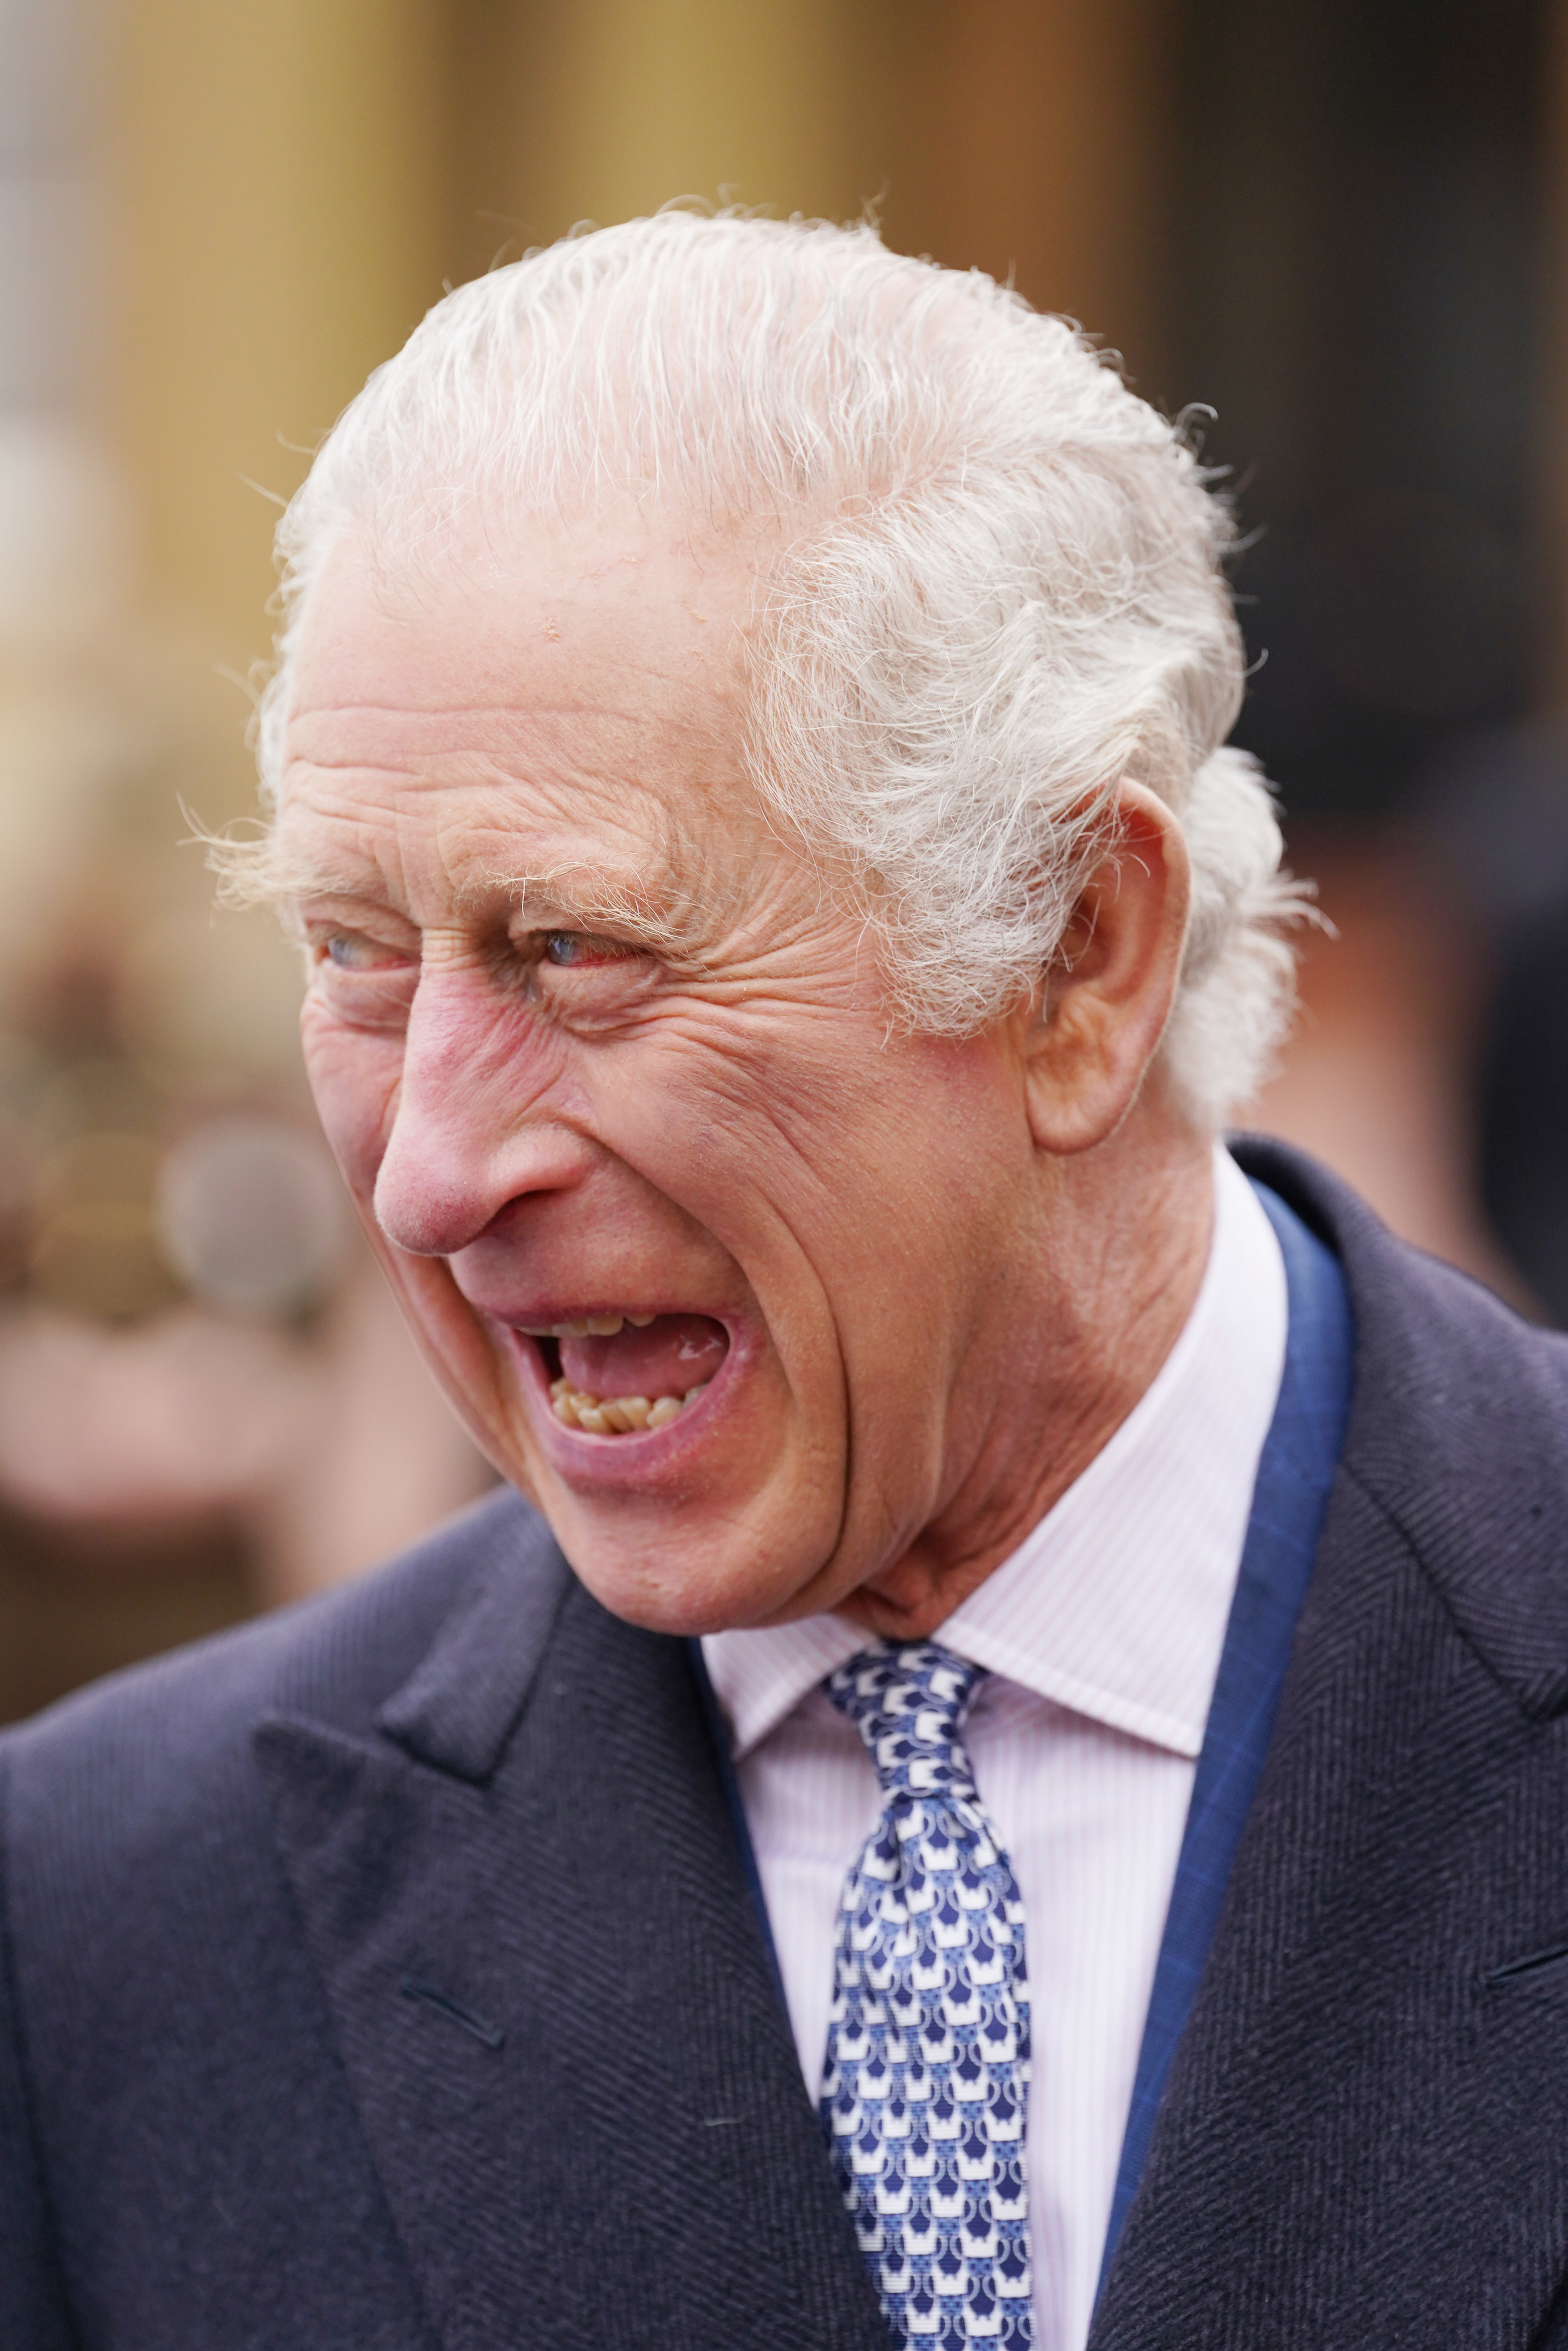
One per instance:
(865,1186)
(354,1076)
(828,1132)
(706,1129)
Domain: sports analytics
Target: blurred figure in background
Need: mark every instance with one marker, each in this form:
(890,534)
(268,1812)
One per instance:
(1500,808)
(207,1402)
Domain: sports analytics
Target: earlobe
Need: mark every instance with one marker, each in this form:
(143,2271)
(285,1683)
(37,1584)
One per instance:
(1103,1006)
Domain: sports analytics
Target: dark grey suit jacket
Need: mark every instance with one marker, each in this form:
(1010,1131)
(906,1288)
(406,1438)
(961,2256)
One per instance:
(384,1975)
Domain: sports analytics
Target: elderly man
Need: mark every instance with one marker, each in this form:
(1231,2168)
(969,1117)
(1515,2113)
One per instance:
(1006,1784)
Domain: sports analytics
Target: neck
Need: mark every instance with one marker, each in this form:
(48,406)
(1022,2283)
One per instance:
(1116,1253)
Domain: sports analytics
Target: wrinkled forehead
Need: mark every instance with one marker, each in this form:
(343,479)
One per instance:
(544,697)
(528,627)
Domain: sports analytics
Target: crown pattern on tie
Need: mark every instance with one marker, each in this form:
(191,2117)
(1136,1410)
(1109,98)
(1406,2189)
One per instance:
(925,2094)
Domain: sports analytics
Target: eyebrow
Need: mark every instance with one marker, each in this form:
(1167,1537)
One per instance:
(255,871)
(659,912)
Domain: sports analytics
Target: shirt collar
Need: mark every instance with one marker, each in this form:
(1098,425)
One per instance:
(1115,1604)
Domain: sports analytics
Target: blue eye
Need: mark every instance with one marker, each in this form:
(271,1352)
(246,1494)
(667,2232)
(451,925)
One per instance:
(351,951)
(348,951)
(569,950)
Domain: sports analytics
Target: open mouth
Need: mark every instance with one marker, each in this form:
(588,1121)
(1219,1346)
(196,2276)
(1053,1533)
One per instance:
(616,1375)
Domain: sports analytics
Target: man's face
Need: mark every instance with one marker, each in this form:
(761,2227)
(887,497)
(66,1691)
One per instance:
(608,1067)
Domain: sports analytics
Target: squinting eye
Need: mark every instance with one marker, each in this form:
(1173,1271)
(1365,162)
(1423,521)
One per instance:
(351,951)
(565,948)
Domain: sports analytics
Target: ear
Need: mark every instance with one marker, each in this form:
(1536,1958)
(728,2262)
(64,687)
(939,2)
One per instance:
(1103,1005)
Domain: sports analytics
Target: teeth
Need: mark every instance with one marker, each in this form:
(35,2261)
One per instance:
(615,1416)
(588,1326)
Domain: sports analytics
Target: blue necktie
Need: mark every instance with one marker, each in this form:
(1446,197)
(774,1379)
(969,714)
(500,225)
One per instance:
(926,2090)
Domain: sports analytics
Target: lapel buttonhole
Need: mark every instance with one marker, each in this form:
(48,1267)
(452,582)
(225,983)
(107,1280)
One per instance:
(1527,1966)
(413,1987)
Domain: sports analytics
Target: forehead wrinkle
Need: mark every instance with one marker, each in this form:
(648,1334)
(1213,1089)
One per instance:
(465,729)
(669,892)
(467,705)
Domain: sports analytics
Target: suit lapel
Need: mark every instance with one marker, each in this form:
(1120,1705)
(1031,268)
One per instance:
(552,2001)
(1361,2138)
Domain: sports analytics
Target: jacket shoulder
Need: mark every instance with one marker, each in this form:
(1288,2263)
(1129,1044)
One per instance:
(1458,1430)
(129,1759)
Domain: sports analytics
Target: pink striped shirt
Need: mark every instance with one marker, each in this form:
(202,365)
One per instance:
(1102,1634)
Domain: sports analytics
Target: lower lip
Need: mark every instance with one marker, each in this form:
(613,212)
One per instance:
(578,1449)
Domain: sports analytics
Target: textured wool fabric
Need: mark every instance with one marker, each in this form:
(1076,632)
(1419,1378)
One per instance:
(386,1974)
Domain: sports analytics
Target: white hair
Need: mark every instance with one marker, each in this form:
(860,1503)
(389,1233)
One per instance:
(996,591)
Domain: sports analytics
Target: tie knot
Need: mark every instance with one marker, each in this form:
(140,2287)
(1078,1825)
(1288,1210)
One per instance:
(908,1706)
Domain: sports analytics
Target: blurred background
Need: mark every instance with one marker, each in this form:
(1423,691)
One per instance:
(1342,229)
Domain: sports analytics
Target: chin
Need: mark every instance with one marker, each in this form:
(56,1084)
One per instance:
(685,1578)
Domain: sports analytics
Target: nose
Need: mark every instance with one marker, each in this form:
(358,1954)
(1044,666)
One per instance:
(471,1132)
